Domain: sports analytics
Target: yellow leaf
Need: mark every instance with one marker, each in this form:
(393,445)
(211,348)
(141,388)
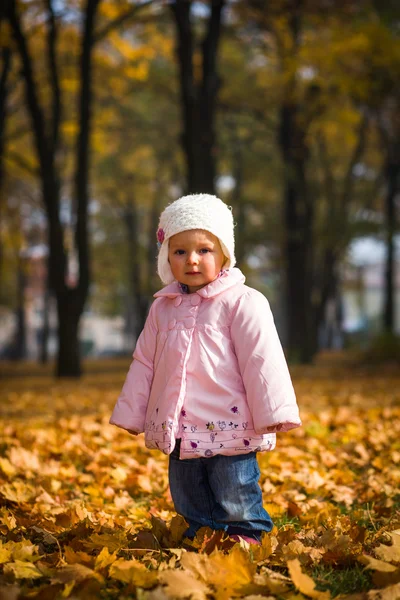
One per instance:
(75,572)
(303,582)
(23,570)
(5,554)
(119,474)
(183,584)
(111,541)
(67,589)
(23,459)
(266,548)
(227,572)
(24,550)
(104,559)
(17,492)
(132,571)
(7,518)
(7,468)
(274,509)
(73,557)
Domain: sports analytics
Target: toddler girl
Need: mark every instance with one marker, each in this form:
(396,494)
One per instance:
(209,384)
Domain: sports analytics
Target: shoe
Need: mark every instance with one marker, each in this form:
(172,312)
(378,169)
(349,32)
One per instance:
(245,538)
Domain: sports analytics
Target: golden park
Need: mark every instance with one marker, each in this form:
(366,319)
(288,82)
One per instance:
(212,188)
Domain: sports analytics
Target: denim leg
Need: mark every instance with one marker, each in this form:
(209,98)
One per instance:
(191,492)
(234,483)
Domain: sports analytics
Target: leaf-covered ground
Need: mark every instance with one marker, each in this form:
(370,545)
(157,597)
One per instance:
(85,510)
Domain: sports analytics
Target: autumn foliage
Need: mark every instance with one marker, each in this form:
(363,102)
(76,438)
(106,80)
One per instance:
(85,510)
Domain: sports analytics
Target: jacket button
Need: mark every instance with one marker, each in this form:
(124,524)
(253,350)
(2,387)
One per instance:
(190,322)
(178,301)
(195,300)
(172,324)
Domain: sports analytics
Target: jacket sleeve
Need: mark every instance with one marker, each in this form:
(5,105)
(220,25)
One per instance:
(262,363)
(130,409)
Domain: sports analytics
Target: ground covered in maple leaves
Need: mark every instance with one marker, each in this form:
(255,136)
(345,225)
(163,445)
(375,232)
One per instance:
(85,510)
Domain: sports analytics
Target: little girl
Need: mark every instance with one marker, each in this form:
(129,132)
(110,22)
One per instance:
(209,384)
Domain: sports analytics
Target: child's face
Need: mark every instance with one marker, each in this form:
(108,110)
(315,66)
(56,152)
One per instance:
(195,257)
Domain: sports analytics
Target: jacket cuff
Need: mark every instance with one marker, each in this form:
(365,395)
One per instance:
(127,426)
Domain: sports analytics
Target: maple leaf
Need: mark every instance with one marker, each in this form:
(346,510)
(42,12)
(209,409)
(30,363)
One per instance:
(227,573)
(182,584)
(75,573)
(7,468)
(17,492)
(23,570)
(104,559)
(7,518)
(5,553)
(134,572)
(303,582)
(113,541)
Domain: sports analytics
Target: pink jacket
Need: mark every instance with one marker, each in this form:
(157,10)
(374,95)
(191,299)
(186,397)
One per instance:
(208,368)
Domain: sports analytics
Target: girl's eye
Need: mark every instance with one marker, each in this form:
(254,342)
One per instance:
(179,252)
(204,250)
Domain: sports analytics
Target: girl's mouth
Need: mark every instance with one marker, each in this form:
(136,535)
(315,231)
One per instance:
(193,273)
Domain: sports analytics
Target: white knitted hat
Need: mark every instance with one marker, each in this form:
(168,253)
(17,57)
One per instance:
(197,211)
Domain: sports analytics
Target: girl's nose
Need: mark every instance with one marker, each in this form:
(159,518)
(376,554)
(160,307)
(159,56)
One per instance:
(192,258)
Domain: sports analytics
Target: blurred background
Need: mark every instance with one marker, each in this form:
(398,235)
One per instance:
(289,110)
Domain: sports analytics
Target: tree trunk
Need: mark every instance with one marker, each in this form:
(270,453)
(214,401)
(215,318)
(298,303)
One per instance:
(44,336)
(139,299)
(393,188)
(198,97)
(70,302)
(298,217)
(19,346)
(69,311)
(6,62)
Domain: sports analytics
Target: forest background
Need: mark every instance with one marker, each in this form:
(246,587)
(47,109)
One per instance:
(109,110)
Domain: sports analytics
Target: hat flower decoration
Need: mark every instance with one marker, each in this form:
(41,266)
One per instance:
(160,236)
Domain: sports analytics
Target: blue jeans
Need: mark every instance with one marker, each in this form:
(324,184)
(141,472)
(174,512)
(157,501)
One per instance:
(220,492)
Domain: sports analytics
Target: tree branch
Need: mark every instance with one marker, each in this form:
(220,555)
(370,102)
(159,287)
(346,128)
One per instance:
(127,16)
(52,35)
(32,99)
(356,157)
(23,164)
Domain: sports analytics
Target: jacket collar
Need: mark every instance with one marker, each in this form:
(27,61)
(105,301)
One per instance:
(228,279)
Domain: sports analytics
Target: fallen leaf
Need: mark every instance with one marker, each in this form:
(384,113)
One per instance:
(104,559)
(390,593)
(17,492)
(183,584)
(112,541)
(303,582)
(375,564)
(75,573)
(23,570)
(5,553)
(134,572)
(390,553)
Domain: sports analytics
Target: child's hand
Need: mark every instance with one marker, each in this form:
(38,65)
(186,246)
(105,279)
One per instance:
(273,428)
(132,432)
